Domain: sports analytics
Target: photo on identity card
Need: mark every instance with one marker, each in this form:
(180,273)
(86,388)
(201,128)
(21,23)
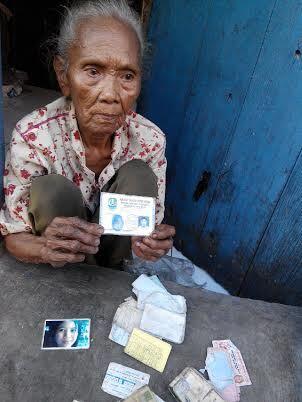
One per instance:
(66,334)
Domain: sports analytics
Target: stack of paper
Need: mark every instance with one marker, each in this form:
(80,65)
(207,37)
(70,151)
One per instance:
(191,386)
(164,314)
(127,317)
(156,311)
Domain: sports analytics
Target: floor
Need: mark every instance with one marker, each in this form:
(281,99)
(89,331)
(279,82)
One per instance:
(268,336)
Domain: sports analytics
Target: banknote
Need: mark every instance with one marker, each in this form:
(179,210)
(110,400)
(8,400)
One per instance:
(190,386)
(241,375)
(143,394)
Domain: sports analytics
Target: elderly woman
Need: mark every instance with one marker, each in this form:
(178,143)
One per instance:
(63,154)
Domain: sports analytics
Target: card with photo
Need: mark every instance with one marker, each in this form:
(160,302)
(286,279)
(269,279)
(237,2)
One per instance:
(127,215)
(66,334)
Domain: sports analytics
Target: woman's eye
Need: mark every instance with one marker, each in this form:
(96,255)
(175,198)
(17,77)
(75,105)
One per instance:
(92,72)
(128,77)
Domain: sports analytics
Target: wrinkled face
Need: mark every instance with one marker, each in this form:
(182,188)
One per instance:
(66,334)
(103,77)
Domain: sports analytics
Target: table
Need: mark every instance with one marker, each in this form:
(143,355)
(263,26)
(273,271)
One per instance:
(268,335)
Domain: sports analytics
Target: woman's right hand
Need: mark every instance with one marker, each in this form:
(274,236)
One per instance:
(67,240)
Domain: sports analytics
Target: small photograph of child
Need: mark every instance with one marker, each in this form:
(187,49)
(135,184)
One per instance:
(143,221)
(66,334)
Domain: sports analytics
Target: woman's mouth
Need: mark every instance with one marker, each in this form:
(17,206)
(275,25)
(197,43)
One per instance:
(108,117)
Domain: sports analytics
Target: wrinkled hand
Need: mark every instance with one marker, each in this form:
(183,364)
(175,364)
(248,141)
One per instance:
(153,247)
(69,239)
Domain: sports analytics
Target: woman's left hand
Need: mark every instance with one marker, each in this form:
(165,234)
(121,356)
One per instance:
(153,247)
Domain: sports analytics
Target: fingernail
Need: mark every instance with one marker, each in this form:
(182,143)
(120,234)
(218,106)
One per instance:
(154,235)
(138,243)
(97,242)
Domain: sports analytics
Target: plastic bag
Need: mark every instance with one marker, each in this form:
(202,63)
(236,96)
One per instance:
(167,269)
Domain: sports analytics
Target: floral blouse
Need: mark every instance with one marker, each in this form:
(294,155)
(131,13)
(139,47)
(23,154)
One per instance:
(48,141)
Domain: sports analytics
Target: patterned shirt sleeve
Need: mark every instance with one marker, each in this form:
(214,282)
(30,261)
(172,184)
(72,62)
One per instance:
(23,163)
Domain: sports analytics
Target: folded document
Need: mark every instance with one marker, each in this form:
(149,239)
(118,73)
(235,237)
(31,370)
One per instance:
(163,323)
(156,311)
(127,317)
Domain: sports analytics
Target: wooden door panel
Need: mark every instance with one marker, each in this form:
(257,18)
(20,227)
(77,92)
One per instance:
(276,272)
(264,149)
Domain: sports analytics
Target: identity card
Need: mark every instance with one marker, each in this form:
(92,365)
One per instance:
(127,215)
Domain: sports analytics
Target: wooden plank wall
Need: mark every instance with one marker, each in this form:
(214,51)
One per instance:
(225,85)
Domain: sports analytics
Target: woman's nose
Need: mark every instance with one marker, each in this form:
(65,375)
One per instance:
(109,90)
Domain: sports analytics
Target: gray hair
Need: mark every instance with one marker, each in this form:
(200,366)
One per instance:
(118,9)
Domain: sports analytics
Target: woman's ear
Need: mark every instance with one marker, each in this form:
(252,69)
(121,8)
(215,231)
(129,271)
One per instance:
(61,73)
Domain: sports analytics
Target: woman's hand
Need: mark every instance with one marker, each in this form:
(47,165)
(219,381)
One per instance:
(69,239)
(153,247)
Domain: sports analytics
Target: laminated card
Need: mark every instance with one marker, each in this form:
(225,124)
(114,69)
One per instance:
(127,215)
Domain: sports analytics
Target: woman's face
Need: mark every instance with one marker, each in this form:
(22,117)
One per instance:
(104,76)
(66,334)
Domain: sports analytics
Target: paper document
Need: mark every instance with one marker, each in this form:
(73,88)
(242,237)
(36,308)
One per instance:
(241,375)
(127,215)
(127,317)
(150,290)
(119,335)
(149,350)
(221,375)
(122,381)
(163,323)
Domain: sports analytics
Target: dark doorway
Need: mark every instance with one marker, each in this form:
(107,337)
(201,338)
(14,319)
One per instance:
(26,34)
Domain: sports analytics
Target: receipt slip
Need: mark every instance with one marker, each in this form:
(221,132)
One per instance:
(122,381)
(149,350)
(127,215)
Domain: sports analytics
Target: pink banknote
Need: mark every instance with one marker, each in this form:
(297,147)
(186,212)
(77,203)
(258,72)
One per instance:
(241,375)
(231,393)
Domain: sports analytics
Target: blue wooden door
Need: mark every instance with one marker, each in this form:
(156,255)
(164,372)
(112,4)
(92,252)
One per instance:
(225,85)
